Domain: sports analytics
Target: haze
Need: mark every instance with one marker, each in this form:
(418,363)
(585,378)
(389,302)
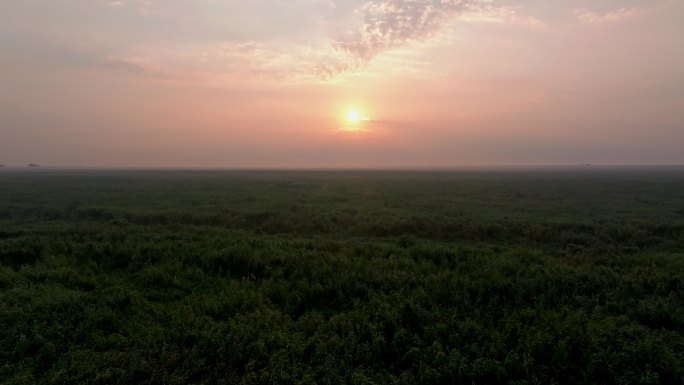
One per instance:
(219,83)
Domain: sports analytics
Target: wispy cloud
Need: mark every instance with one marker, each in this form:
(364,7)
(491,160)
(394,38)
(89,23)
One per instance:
(221,63)
(388,24)
(591,17)
(144,4)
(299,41)
(488,12)
(140,69)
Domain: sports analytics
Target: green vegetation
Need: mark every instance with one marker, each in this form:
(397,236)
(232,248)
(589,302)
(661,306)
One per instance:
(215,277)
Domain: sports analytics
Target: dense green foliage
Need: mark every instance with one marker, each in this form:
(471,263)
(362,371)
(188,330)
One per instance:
(519,277)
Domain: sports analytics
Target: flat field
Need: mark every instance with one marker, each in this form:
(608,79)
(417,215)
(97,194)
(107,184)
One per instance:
(524,276)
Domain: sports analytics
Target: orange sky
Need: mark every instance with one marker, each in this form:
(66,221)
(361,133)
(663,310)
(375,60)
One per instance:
(211,83)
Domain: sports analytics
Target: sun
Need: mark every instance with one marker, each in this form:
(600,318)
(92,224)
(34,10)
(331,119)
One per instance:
(353,120)
(353,116)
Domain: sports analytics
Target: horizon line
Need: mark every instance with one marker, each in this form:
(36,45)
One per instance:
(407,167)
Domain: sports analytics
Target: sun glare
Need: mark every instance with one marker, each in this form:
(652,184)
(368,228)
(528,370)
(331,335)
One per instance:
(353,120)
(353,116)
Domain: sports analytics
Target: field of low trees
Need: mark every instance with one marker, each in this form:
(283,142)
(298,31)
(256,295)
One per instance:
(542,276)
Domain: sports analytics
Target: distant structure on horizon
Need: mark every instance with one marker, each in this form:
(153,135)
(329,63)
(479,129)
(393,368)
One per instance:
(33,165)
(2,165)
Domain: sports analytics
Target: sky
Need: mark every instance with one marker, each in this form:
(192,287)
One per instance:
(340,83)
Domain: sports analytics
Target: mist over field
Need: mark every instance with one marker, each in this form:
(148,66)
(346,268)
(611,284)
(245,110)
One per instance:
(502,276)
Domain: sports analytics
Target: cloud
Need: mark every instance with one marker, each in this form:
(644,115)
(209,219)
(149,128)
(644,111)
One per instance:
(210,41)
(128,3)
(490,13)
(131,67)
(386,24)
(615,15)
(222,63)
(389,24)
